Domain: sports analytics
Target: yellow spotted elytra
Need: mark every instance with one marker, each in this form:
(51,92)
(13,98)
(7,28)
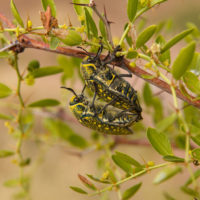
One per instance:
(109,85)
(100,117)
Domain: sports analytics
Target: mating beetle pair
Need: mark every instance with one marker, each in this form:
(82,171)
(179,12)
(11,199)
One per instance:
(109,121)
(113,89)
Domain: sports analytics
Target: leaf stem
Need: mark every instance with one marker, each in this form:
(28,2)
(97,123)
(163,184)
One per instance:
(125,33)
(130,177)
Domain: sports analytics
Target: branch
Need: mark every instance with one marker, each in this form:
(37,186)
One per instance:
(27,42)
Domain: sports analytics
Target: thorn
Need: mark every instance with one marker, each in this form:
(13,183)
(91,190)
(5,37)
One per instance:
(105,14)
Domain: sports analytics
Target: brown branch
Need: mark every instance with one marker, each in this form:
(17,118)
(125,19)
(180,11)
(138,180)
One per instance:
(27,42)
(7,21)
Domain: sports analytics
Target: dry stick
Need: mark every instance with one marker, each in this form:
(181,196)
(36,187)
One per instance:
(27,42)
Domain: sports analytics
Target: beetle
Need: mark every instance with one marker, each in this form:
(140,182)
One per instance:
(103,119)
(107,84)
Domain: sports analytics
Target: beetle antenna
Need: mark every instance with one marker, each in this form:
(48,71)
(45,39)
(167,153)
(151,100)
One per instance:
(70,89)
(86,52)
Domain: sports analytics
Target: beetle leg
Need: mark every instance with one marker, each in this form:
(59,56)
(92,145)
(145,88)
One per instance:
(110,103)
(125,75)
(83,89)
(94,97)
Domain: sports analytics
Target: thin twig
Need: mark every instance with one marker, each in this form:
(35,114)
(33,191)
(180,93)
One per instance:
(103,18)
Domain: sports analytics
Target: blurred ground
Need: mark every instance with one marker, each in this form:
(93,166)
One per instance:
(59,170)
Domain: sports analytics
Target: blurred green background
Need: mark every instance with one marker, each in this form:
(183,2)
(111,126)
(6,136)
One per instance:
(58,169)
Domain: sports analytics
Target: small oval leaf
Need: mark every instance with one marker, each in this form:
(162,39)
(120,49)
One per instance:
(192,82)
(176,39)
(6,117)
(6,153)
(102,29)
(78,189)
(195,176)
(90,22)
(183,60)
(145,35)
(54,42)
(78,8)
(16,13)
(166,173)
(132,9)
(5,91)
(86,182)
(196,153)
(159,141)
(166,122)
(170,158)
(98,180)
(45,103)
(46,71)
(131,191)
(128,159)
(51,4)
(122,164)
(73,38)
(196,139)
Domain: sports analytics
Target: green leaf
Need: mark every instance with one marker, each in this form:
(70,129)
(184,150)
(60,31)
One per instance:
(170,158)
(131,191)
(196,139)
(98,180)
(45,103)
(78,189)
(192,82)
(68,65)
(132,9)
(128,159)
(147,7)
(190,191)
(5,91)
(80,9)
(54,42)
(77,141)
(196,153)
(196,175)
(6,153)
(51,4)
(4,54)
(176,39)
(16,13)
(166,173)
(6,117)
(131,54)
(63,131)
(147,94)
(90,22)
(102,29)
(168,197)
(158,109)
(73,38)
(183,60)
(122,164)
(159,141)
(195,64)
(86,182)
(33,65)
(46,71)
(12,183)
(145,35)
(166,122)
